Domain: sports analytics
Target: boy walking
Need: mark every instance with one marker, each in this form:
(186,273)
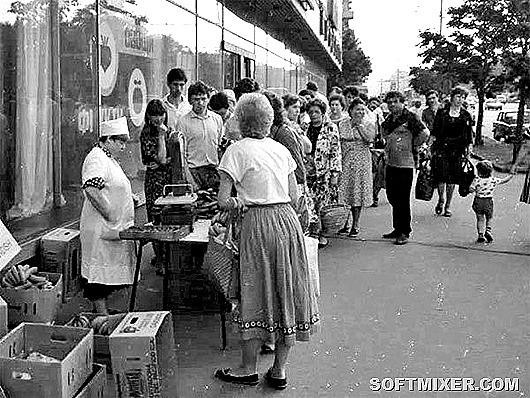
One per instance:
(484,185)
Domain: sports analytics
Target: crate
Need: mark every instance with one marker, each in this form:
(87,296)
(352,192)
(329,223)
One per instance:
(101,342)
(71,347)
(143,356)
(95,385)
(61,252)
(34,305)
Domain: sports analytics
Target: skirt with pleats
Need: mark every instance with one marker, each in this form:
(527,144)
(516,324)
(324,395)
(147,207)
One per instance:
(277,300)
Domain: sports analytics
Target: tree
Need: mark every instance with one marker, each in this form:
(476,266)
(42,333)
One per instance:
(356,66)
(473,49)
(425,79)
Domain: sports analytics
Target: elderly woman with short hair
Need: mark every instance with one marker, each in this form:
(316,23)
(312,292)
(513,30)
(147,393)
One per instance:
(277,300)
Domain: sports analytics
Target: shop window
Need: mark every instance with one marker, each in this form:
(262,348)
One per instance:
(261,66)
(209,54)
(232,68)
(249,67)
(211,10)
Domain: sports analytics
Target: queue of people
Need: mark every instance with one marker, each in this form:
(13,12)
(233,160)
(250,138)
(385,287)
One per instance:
(279,161)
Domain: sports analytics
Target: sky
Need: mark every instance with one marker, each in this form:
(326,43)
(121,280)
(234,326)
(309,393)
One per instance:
(388,32)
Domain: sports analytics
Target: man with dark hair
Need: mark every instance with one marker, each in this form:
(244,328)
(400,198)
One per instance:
(244,86)
(404,133)
(175,102)
(428,114)
(220,104)
(201,131)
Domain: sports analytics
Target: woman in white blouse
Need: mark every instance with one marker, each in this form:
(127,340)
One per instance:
(277,300)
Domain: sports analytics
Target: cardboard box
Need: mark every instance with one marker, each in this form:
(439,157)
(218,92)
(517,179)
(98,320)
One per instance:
(61,253)
(3,317)
(71,347)
(144,363)
(34,305)
(95,385)
(101,342)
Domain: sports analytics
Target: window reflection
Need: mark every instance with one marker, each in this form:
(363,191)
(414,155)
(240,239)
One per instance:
(209,54)
(211,10)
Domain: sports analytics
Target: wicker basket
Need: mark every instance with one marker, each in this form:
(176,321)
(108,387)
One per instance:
(333,217)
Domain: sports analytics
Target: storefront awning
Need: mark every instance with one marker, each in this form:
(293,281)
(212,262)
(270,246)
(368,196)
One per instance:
(285,21)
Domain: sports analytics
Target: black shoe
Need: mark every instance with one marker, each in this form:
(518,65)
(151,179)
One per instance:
(481,239)
(275,382)
(354,232)
(322,242)
(225,375)
(266,350)
(391,235)
(402,240)
(488,236)
(343,230)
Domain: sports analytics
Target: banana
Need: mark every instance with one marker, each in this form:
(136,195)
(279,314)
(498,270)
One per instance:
(25,286)
(37,279)
(13,271)
(21,273)
(10,279)
(6,283)
(31,271)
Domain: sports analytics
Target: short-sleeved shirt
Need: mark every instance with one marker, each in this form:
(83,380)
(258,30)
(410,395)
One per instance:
(202,137)
(260,169)
(484,187)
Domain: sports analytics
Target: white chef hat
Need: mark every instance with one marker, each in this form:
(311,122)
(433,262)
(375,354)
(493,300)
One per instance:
(114,127)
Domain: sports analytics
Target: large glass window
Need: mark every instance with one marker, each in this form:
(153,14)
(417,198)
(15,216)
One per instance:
(235,24)
(138,46)
(28,76)
(79,93)
(261,66)
(209,54)
(275,68)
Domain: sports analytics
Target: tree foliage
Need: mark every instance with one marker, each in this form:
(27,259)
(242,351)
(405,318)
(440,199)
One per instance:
(356,66)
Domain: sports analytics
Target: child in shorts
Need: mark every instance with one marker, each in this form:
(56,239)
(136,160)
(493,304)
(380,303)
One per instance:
(484,186)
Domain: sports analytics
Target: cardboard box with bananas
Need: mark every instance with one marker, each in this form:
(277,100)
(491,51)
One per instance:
(31,296)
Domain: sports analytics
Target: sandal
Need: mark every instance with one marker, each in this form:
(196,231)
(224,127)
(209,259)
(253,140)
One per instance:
(226,375)
(439,208)
(448,213)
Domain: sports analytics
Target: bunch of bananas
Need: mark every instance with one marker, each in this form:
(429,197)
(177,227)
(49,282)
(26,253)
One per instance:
(21,277)
(102,325)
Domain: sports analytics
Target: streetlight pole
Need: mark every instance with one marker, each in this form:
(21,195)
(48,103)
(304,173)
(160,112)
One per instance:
(441,14)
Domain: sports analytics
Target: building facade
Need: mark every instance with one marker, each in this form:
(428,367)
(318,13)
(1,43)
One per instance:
(66,65)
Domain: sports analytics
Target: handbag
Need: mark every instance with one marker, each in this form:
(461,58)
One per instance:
(311,249)
(525,193)
(467,175)
(220,262)
(424,184)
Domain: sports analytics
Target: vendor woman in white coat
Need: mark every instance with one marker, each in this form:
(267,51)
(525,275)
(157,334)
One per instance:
(107,262)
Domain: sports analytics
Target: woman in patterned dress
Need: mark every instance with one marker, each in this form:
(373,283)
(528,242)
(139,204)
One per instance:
(277,300)
(356,183)
(154,156)
(324,163)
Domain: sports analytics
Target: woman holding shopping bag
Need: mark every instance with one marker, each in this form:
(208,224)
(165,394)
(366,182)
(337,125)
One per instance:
(277,301)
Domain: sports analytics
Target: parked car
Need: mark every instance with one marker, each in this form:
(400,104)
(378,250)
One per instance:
(501,98)
(492,104)
(504,126)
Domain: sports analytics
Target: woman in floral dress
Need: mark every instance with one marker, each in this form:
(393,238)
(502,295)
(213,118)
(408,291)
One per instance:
(324,163)
(355,187)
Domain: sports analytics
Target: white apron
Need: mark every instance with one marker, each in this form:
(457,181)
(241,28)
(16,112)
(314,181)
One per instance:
(109,262)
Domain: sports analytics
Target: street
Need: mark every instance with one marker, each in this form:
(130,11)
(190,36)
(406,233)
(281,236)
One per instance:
(441,306)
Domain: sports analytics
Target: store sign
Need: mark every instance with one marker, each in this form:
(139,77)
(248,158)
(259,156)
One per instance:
(137,96)
(108,62)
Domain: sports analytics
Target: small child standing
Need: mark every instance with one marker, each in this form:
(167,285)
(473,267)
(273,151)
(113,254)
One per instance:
(484,186)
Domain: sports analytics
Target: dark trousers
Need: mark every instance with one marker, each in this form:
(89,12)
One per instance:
(206,177)
(398,187)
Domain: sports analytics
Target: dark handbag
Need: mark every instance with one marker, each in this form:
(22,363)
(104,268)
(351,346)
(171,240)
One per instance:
(467,175)
(525,193)
(424,184)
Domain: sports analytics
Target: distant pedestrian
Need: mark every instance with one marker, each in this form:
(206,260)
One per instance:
(404,133)
(452,134)
(312,86)
(484,186)
(429,113)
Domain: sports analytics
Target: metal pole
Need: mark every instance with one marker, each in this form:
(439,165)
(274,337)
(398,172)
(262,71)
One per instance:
(441,14)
